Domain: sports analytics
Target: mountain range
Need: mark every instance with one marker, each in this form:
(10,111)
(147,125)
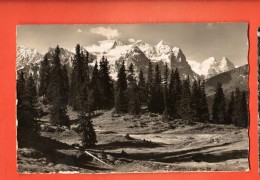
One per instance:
(139,53)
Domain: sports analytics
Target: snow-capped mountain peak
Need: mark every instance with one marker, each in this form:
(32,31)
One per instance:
(195,66)
(26,56)
(163,47)
(211,66)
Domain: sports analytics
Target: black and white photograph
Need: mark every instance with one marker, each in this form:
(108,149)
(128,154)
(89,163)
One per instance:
(124,98)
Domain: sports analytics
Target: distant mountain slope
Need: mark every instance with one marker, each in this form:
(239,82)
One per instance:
(237,77)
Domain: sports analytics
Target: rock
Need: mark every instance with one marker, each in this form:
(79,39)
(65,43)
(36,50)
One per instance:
(118,162)
(110,158)
(30,153)
(50,164)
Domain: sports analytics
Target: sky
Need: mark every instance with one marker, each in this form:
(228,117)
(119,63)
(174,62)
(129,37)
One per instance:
(198,41)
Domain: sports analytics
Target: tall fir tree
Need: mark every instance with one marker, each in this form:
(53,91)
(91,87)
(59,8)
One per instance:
(44,76)
(195,100)
(165,85)
(149,85)
(32,91)
(56,93)
(185,110)
(132,92)
(106,85)
(142,91)
(20,87)
(237,107)
(26,111)
(121,100)
(178,90)
(94,94)
(230,110)
(85,82)
(172,96)
(66,85)
(74,77)
(203,106)
(79,80)
(156,104)
(244,111)
(240,114)
(175,88)
(166,115)
(219,105)
(85,100)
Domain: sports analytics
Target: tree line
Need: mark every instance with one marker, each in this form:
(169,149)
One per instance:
(88,91)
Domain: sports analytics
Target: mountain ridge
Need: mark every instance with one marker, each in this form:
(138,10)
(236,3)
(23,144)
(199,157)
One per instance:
(139,53)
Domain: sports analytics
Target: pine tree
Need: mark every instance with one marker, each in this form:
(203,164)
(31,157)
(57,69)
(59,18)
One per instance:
(84,85)
(65,80)
(86,130)
(230,110)
(244,111)
(44,76)
(237,107)
(121,101)
(74,77)
(132,92)
(177,91)
(195,101)
(94,94)
(156,104)
(203,106)
(20,87)
(106,85)
(142,88)
(26,111)
(31,94)
(149,85)
(56,93)
(219,105)
(79,80)
(185,110)
(172,96)
(240,114)
(166,93)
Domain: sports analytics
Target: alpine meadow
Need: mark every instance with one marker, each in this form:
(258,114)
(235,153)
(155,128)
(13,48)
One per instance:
(132,98)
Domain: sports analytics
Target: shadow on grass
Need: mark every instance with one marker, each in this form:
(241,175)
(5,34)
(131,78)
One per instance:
(206,157)
(129,144)
(50,149)
(188,155)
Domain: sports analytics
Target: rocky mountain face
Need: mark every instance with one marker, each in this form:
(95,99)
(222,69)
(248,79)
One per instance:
(139,53)
(27,57)
(211,66)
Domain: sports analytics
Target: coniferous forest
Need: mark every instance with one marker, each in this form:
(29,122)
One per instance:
(89,91)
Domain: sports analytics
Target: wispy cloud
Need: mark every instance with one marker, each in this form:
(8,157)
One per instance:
(107,32)
(131,40)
